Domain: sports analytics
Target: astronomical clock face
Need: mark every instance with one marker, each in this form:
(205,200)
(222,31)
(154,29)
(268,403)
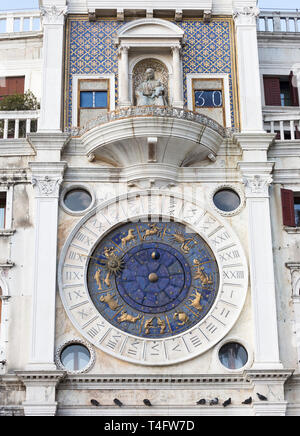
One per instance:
(155,291)
(153,280)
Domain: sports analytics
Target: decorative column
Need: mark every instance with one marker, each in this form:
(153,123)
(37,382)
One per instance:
(51,103)
(177,77)
(46,180)
(124,100)
(257,179)
(248,66)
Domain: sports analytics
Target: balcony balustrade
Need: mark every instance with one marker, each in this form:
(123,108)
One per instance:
(17,124)
(285,124)
(279,21)
(19,22)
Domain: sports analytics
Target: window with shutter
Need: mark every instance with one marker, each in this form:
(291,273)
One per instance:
(288,208)
(297,209)
(272,91)
(11,86)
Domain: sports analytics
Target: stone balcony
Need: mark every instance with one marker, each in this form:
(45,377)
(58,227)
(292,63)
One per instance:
(161,135)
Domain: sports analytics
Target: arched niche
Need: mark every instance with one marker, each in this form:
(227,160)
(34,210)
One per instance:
(151,39)
(161,74)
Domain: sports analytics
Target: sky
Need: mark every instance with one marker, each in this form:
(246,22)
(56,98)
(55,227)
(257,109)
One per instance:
(33,4)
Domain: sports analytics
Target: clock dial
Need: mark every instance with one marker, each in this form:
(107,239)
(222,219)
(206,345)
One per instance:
(153,292)
(153,280)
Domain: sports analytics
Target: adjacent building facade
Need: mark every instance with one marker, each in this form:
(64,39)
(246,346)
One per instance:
(150,209)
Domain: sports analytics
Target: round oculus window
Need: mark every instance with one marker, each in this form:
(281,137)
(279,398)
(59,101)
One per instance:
(78,200)
(227,200)
(75,357)
(233,356)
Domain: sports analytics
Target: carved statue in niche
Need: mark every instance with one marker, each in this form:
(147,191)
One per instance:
(150,81)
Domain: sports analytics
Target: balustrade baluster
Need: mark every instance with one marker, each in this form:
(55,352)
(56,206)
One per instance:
(17,128)
(5,133)
(292,127)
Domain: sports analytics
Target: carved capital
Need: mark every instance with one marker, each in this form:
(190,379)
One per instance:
(176,49)
(246,15)
(53,14)
(123,50)
(257,185)
(46,186)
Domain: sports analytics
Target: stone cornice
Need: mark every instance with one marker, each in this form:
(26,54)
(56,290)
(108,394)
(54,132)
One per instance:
(287,176)
(13,176)
(276,375)
(48,140)
(37,377)
(192,174)
(259,141)
(21,35)
(174,382)
(15,147)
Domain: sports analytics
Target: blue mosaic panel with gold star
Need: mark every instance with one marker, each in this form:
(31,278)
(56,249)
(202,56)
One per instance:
(209,48)
(153,280)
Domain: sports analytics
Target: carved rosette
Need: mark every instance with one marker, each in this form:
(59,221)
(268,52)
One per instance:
(246,15)
(46,186)
(257,185)
(53,14)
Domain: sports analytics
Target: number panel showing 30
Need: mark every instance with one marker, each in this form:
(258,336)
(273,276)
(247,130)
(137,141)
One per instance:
(208,99)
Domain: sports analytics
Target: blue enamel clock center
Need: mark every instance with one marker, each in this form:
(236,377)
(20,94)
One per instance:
(153,280)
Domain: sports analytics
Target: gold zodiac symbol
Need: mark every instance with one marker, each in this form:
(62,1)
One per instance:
(111,301)
(97,277)
(152,231)
(201,274)
(185,242)
(149,325)
(195,302)
(128,318)
(113,264)
(128,238)
(181,317)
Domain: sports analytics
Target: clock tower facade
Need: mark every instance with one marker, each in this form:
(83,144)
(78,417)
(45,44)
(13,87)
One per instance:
(152,186)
